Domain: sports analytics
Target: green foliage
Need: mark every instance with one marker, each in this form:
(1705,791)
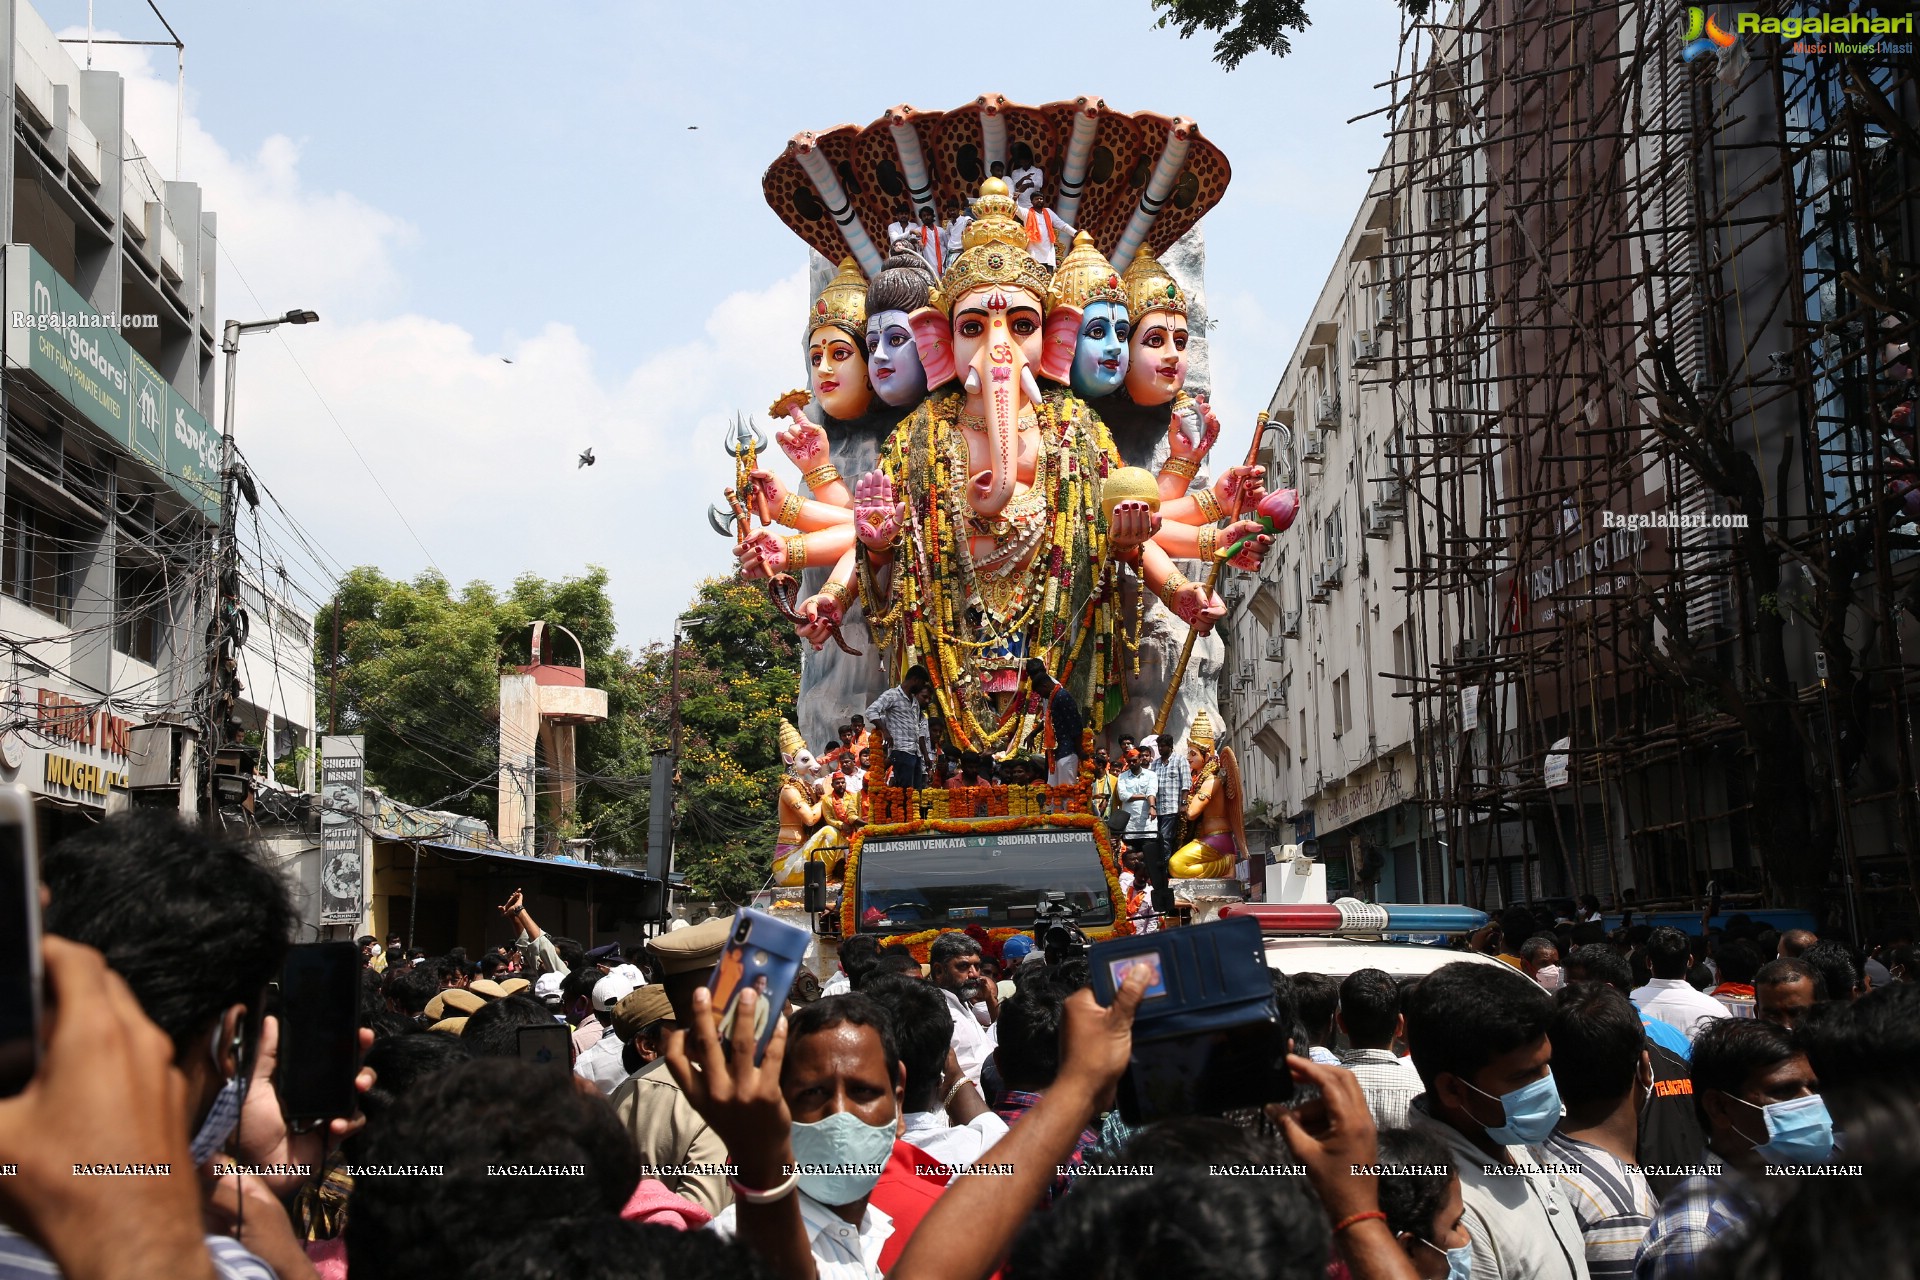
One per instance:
(419,674)
(1246,26)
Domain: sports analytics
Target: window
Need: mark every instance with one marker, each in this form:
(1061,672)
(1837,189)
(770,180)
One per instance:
(1401,666)
(1342,706)
(41,569)
(140,609)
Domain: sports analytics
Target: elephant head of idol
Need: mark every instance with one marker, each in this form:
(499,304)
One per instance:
(837,345)
(1157,348)
(1087,323)
(993,295)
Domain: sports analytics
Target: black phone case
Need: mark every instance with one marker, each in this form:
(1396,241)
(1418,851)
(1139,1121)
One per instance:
(1209,1042)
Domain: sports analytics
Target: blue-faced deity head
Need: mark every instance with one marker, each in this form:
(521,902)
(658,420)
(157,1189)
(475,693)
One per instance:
(899,289)
(1100,353)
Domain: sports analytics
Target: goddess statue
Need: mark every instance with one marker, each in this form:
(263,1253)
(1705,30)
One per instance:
(1213,808)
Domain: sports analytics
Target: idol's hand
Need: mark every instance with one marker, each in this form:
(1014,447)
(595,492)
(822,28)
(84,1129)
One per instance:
(1259,540)
(1133,523)
(877,517)
(767,487)
(1240,489)
(1198,608)
(804,442)
(762,555)
(1191,430)
(819,615)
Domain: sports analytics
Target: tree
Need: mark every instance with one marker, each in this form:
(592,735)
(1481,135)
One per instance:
(1245,25)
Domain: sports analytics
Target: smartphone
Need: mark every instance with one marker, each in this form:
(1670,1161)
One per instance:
(1207,1038)
(547,1046)
(319,1031)
(21,980)
(763,955)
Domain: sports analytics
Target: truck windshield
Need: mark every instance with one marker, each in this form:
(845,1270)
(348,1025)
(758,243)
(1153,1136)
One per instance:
(951,881)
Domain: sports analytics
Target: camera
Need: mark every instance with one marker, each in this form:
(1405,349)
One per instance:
(1056,927)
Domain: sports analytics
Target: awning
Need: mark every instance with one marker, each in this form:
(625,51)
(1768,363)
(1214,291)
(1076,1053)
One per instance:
(502,860)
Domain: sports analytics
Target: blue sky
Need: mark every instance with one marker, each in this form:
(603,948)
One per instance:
(452,184)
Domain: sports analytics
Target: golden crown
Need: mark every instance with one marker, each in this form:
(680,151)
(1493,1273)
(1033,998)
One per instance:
(1150,288)
(994,251)
(1085,277)
(791,743)
(1201,734)
(843,303)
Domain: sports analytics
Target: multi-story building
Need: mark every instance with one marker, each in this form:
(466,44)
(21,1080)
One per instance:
(109,465)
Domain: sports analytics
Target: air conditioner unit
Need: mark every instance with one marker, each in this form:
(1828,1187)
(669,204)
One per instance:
(1247,669)
(1274,652)
(1392,305)
(1330,572)
(1443,207)
(1469,650)
(1379,522)
(1290,624)
(1393,495)
(1326,412)
(159,755)
(1366,350)
(1314,448)
(1451,431)
(1275,691)
(1318,589)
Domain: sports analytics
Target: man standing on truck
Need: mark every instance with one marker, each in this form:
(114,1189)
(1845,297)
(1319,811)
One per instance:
(901,713)
(1136,789)
(1063,723)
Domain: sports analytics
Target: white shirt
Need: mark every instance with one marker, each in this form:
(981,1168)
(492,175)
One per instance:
(954,1144)
(841,1251)
(1675,1002)
(838,985)
(972,1043)
(1389,1081)
(604,1064)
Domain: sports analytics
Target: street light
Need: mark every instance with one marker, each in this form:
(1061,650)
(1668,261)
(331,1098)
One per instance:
(227,584)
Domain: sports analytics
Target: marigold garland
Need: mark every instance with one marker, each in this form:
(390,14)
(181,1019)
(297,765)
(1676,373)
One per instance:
(1103,843)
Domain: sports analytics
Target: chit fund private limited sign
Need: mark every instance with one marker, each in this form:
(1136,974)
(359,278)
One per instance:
(53,333)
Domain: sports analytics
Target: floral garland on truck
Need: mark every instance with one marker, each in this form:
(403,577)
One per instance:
(917,943)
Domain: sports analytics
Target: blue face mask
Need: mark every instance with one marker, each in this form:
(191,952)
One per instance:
(1459,1261)
(1799,1131)
(1531,1112)
(841,1157)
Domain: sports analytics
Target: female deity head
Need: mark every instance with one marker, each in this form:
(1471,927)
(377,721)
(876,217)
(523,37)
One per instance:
(837,345)
(1157,348)
(1087,323)
(894,367)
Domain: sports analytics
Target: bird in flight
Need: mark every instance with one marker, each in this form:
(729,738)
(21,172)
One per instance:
(586,459)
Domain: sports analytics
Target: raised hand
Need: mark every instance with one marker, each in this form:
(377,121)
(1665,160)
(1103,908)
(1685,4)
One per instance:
(264,1139)
(762,555)
(1198,608)
(1133,523)
(1239,489)
(804,442)
(741,1101)
(1259,541)
(1192,429)
(877,515)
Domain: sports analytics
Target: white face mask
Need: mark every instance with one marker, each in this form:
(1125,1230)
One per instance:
(223,1117)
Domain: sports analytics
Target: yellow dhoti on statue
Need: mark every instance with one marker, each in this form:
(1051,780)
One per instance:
(1210,857)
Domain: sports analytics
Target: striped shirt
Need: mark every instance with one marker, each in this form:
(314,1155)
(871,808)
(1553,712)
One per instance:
(904,720)
(1175,779)
(1611,1199)
(22,1259)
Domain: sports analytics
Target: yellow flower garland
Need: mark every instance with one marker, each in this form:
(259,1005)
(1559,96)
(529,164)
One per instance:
(918,942)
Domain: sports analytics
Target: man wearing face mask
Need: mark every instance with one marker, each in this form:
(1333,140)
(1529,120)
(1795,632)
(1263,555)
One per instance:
(1758,1101)
(1478,1036)
(844,1089)
(197,926)
(1605,1079)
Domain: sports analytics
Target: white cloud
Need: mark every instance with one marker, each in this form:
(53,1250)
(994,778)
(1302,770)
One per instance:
(479,453)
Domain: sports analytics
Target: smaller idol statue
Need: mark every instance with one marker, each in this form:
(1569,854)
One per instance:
(1213,808)
(801,805)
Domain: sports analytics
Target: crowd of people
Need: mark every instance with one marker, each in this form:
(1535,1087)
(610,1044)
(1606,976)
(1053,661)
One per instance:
(1635,1101)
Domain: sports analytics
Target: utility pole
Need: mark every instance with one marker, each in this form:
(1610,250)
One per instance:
(227,632)
(333,668)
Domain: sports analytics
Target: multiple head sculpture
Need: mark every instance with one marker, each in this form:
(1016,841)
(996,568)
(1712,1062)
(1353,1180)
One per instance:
(1000,523)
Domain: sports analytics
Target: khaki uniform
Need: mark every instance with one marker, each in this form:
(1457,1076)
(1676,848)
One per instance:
(670,1135)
